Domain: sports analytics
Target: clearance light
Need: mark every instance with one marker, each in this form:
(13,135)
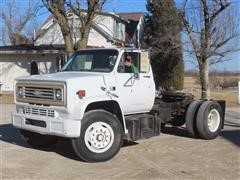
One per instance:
(81,93)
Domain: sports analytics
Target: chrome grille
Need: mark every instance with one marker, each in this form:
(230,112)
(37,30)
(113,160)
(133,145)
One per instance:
(39,112)
(40,93)
(34,92)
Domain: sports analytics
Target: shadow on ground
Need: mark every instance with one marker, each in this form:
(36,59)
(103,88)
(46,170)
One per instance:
(10,134)
(232,135)
(176,131)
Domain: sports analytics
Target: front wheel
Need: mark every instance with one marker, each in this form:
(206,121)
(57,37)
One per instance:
(101,137)
(209,120)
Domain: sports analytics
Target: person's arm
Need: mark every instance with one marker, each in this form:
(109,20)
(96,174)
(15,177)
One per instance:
(134,69)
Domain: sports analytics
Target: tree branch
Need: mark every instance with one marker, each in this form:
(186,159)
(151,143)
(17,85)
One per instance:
(189,30)
(216,13)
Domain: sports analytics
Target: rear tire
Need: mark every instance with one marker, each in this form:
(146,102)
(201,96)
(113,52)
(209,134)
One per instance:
(101,137)
(209,120)
(190,118)
(37,140)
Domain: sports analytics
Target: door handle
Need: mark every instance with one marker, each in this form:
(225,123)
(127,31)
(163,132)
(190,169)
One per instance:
(146,76)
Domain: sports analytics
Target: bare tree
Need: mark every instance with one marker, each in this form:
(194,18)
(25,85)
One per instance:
(85,18)
(60,10)
(211,27)
(15,21)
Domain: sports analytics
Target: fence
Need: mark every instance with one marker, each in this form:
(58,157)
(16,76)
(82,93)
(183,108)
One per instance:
(231,95)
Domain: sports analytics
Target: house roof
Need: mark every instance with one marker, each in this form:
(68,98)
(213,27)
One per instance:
(31,49)
(133,18)
(40,32)
(112,14)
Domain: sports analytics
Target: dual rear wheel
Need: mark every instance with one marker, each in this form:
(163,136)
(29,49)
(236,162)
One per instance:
(204,119)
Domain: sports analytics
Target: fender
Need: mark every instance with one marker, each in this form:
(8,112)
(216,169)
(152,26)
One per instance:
(80,108)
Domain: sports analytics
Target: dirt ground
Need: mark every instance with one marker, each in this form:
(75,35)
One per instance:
(172,155)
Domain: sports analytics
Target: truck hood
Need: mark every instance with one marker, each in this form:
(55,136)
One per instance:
(60,76)
(92,83)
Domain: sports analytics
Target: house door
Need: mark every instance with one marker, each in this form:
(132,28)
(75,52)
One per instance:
(34,68)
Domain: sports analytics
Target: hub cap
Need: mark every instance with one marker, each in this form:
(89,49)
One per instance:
(99,137)
(213,120)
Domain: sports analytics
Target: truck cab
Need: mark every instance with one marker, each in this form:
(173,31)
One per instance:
(93,79)
(101,97)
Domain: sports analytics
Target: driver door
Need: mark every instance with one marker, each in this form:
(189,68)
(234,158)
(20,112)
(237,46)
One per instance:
(133,88)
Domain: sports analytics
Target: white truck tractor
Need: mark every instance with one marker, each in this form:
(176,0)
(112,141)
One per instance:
(97,104)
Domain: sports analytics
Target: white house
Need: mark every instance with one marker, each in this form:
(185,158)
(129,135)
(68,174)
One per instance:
(47,54)
(108,30)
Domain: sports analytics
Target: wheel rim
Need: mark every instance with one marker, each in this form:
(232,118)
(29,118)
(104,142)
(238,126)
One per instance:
(213,120)
(99,137)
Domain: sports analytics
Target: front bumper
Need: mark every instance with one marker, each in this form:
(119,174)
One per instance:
(53,126)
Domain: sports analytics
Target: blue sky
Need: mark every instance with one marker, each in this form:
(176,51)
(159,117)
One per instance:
(140,6)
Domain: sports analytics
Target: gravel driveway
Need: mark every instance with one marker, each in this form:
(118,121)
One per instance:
(172,155)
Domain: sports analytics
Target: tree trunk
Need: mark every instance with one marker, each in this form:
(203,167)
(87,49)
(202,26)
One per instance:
(82,42)
(204,79)
(67,36)
(68,44)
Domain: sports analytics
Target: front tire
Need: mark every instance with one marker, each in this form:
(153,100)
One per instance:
(100,138)
(209,120)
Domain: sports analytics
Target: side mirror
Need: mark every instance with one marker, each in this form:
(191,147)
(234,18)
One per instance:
(144,61)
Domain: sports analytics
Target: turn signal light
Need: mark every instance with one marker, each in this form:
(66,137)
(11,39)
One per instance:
(81,93)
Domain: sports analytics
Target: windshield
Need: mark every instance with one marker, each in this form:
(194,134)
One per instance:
(92,60)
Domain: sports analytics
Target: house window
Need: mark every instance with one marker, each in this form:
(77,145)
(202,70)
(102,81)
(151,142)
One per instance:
(75,26)
(118,30)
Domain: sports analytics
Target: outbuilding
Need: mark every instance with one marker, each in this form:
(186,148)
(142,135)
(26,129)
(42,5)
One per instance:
(23,60)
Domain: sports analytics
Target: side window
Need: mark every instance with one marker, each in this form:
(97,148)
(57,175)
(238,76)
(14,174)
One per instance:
(128,62)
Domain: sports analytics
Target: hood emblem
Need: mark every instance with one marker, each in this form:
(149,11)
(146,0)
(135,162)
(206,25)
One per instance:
(37,93)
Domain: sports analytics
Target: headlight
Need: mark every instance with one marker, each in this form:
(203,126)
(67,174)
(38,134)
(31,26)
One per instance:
(20,91)
(58,94)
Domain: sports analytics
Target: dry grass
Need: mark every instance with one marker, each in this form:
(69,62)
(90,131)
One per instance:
(6,98)
(190,82)
(229,95)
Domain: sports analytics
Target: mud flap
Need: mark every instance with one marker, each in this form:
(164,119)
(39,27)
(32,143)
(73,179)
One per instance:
(222,103)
